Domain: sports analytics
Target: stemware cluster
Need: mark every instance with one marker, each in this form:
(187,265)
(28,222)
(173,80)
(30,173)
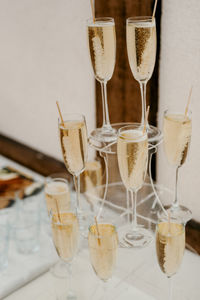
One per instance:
(132,142)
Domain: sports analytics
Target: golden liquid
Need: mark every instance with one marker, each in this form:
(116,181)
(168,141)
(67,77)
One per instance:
(91,180)
(141,46)
(102,45)
(103,251)
(57,196)
(177,134)
(73,139)
(170,245)
(65,235)
(132,154)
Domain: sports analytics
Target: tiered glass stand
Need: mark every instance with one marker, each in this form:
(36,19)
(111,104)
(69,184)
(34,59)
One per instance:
(115,194)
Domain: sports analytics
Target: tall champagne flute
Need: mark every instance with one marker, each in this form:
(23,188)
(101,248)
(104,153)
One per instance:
(57,197)
(103,244)
(141,48)
(177,130)
(65,233)
(170,246)
(132,154)
(102,46)
(73,140)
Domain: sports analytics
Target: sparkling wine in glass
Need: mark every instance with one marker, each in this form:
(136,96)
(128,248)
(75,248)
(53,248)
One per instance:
(73,140)
(170,246)
(57,197)
(65,232)
(91,182)
(102,47)
(57,194)
(103,245)
(141,48)
(177,132)
(132,154)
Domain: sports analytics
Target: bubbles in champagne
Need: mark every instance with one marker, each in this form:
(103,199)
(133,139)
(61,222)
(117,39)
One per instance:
(102,45)
(73,139)
(103,249)
(177,134)
(141,46)
(65,230)
(132,153)
(170,245)
(57,196)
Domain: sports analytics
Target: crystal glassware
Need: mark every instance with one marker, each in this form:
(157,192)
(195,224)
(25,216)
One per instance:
(102,47)
(103,245)
(57,197)
(65,233)
(170,246)
(132,154)
(177,130)
(73,140)
(141,48)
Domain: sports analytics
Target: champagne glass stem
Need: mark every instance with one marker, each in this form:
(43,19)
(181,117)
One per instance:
(105,290)
(128,206)
(70,294)
(143,97)
(175,202)
(77,188)
(170,288)
(106,120)
(134,204)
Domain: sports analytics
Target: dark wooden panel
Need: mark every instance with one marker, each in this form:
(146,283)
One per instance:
(30,158)
(123,90)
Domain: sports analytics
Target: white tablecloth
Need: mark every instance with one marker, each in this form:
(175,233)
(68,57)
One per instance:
(137,275)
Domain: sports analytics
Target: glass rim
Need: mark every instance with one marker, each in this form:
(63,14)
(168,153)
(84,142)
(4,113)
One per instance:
(100,223)
(50,179)
(172,221)
(129,127)
(71,117)
(62,212)
(140,18)
(176,111)
(90,21)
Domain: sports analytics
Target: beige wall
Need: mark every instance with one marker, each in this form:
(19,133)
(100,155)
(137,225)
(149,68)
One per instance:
(43,58)
(179,69)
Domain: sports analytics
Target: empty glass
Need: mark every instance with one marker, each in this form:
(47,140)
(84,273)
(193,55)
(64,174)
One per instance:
(4,240)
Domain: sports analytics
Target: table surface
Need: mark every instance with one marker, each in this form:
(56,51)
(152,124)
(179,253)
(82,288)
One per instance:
(137,274)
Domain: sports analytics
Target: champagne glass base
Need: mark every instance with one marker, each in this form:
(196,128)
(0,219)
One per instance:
(138,238)
(180,212)
(69,296)
(102,134)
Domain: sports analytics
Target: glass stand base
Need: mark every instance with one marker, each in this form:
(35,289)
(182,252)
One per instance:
(181,212)
(129,238)
(102,134)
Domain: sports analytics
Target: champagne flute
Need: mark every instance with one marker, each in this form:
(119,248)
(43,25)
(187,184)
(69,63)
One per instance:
(141,48)
(57,197)
(132,154)
(102,46)
(57,194)
(65,232)
(73,140)
(177,135)
(170,246)
(103,244)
